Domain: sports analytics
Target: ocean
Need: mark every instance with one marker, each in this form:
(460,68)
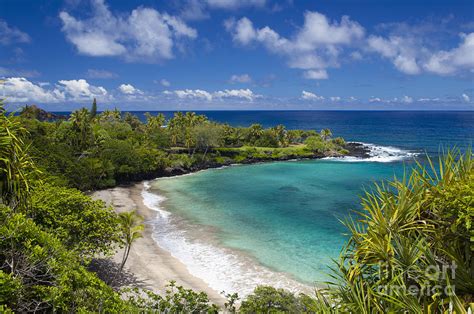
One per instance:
(279,223)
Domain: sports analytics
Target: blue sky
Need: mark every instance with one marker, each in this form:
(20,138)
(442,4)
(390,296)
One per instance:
(230,54)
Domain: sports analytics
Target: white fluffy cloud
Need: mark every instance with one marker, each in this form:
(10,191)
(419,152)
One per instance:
(143,35)
(80,90)
(335,98)
(12,35)
(245,94)
(310,96)
(454,60)
(242,78)
(315,47)
(129,89)
(21,90)
(401,51)
(192,94)
(465,97)
(414,54)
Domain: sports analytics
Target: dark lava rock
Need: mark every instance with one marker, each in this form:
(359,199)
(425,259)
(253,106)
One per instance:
(358,150)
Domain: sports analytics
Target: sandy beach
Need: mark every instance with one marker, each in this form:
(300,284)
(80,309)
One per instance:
(152,266)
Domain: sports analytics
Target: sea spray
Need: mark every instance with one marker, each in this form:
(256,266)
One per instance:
(378,153)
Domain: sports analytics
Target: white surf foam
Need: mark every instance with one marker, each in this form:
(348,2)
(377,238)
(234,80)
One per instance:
(378,153)
(221,268)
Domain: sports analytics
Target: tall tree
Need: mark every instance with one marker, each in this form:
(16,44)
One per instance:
(94,109)
(81,121)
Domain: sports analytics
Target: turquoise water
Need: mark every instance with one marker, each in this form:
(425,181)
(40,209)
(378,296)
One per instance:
(284,214)
(226,224)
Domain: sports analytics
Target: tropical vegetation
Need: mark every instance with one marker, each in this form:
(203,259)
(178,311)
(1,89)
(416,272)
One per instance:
(410,247)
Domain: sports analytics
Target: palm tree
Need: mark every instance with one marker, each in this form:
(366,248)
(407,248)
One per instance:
(281,135)
(81,120)
(132,227)
(255,132)
(110,115)
(176,127)
(154,122)
(326,134)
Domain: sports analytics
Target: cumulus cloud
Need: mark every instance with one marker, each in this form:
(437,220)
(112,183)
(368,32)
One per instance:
(245,94)
(465,97)
(335,98)
(414,49)
(81,90)
(455,60)
(193,94)
(143,35)
(242,78)
(21,90)
(310,96)
(100,74)
(401,51)
(315,47)
(12,35)
(129,89)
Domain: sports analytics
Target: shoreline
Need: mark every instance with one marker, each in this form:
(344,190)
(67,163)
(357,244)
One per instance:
(153,266)
(196,246)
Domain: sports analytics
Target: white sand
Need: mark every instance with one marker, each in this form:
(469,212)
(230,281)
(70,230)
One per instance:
(149,263)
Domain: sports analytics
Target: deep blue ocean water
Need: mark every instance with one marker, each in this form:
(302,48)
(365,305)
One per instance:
(284,216)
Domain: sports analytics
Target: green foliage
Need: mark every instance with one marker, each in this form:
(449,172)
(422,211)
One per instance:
(39,274)
(92,151)
(411,248)
(176,300)
(84,225)
(16,166)
(266,299)
(316,144)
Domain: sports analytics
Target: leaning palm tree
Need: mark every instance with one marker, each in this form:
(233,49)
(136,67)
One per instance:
(132,227)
